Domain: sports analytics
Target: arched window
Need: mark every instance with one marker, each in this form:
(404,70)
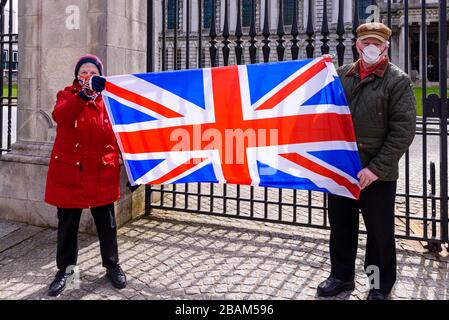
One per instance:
(288,12)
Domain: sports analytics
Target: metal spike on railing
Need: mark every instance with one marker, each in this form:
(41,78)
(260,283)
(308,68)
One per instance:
(325,30)
(226,41)
(252,33)
(280,32)
(295,32)
(239,34)
(340,33)
(310,32)
(213,36)
(266,34)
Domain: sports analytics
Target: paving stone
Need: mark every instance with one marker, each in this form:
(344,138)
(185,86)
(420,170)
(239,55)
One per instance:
(184,256)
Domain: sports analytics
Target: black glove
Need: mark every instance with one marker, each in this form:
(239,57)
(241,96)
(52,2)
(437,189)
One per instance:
(83,96)
(132,188)
(98,83)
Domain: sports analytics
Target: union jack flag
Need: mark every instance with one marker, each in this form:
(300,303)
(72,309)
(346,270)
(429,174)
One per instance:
(282,125)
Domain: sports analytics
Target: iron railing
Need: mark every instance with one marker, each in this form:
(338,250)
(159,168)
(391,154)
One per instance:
(8,75)
(422,214)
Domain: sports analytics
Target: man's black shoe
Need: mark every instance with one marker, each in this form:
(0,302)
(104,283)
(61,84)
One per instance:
(117,277)
(59,283)
(377,295)
(332,287)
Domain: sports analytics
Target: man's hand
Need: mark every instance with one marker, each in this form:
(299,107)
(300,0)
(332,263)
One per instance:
(366,177)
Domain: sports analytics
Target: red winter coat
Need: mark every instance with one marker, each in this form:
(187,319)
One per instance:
(84,169)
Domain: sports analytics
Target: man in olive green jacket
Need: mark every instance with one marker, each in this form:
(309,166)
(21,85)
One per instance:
(383,109)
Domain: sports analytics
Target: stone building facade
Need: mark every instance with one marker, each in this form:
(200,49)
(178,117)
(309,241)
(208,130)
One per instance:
(367,10)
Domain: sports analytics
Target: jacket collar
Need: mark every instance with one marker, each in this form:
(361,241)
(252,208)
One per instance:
(380,70)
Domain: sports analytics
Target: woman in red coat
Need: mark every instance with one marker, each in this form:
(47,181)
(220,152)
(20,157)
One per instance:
(84,172)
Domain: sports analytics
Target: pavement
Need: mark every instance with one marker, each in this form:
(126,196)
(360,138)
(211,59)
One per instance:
(177,255)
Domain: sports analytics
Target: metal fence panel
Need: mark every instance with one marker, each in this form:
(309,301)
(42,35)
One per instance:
(422,213)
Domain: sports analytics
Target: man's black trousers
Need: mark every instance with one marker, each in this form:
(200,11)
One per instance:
(376,203)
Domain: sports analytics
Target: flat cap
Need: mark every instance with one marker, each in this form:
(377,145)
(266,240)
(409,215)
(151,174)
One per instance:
(374,30)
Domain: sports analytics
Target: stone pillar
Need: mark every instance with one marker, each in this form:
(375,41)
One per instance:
(52,35)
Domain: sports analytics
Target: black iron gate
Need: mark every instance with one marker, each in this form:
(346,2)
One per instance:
(422,199)
(8,70)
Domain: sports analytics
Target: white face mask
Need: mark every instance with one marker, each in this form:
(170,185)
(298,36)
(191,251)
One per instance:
(371,54)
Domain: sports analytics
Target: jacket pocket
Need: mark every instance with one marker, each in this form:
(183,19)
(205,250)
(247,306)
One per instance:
(110,168)
(67,170)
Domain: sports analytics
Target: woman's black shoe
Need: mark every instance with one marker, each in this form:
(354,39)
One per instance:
(332,287)
(117,277)
(59,283)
